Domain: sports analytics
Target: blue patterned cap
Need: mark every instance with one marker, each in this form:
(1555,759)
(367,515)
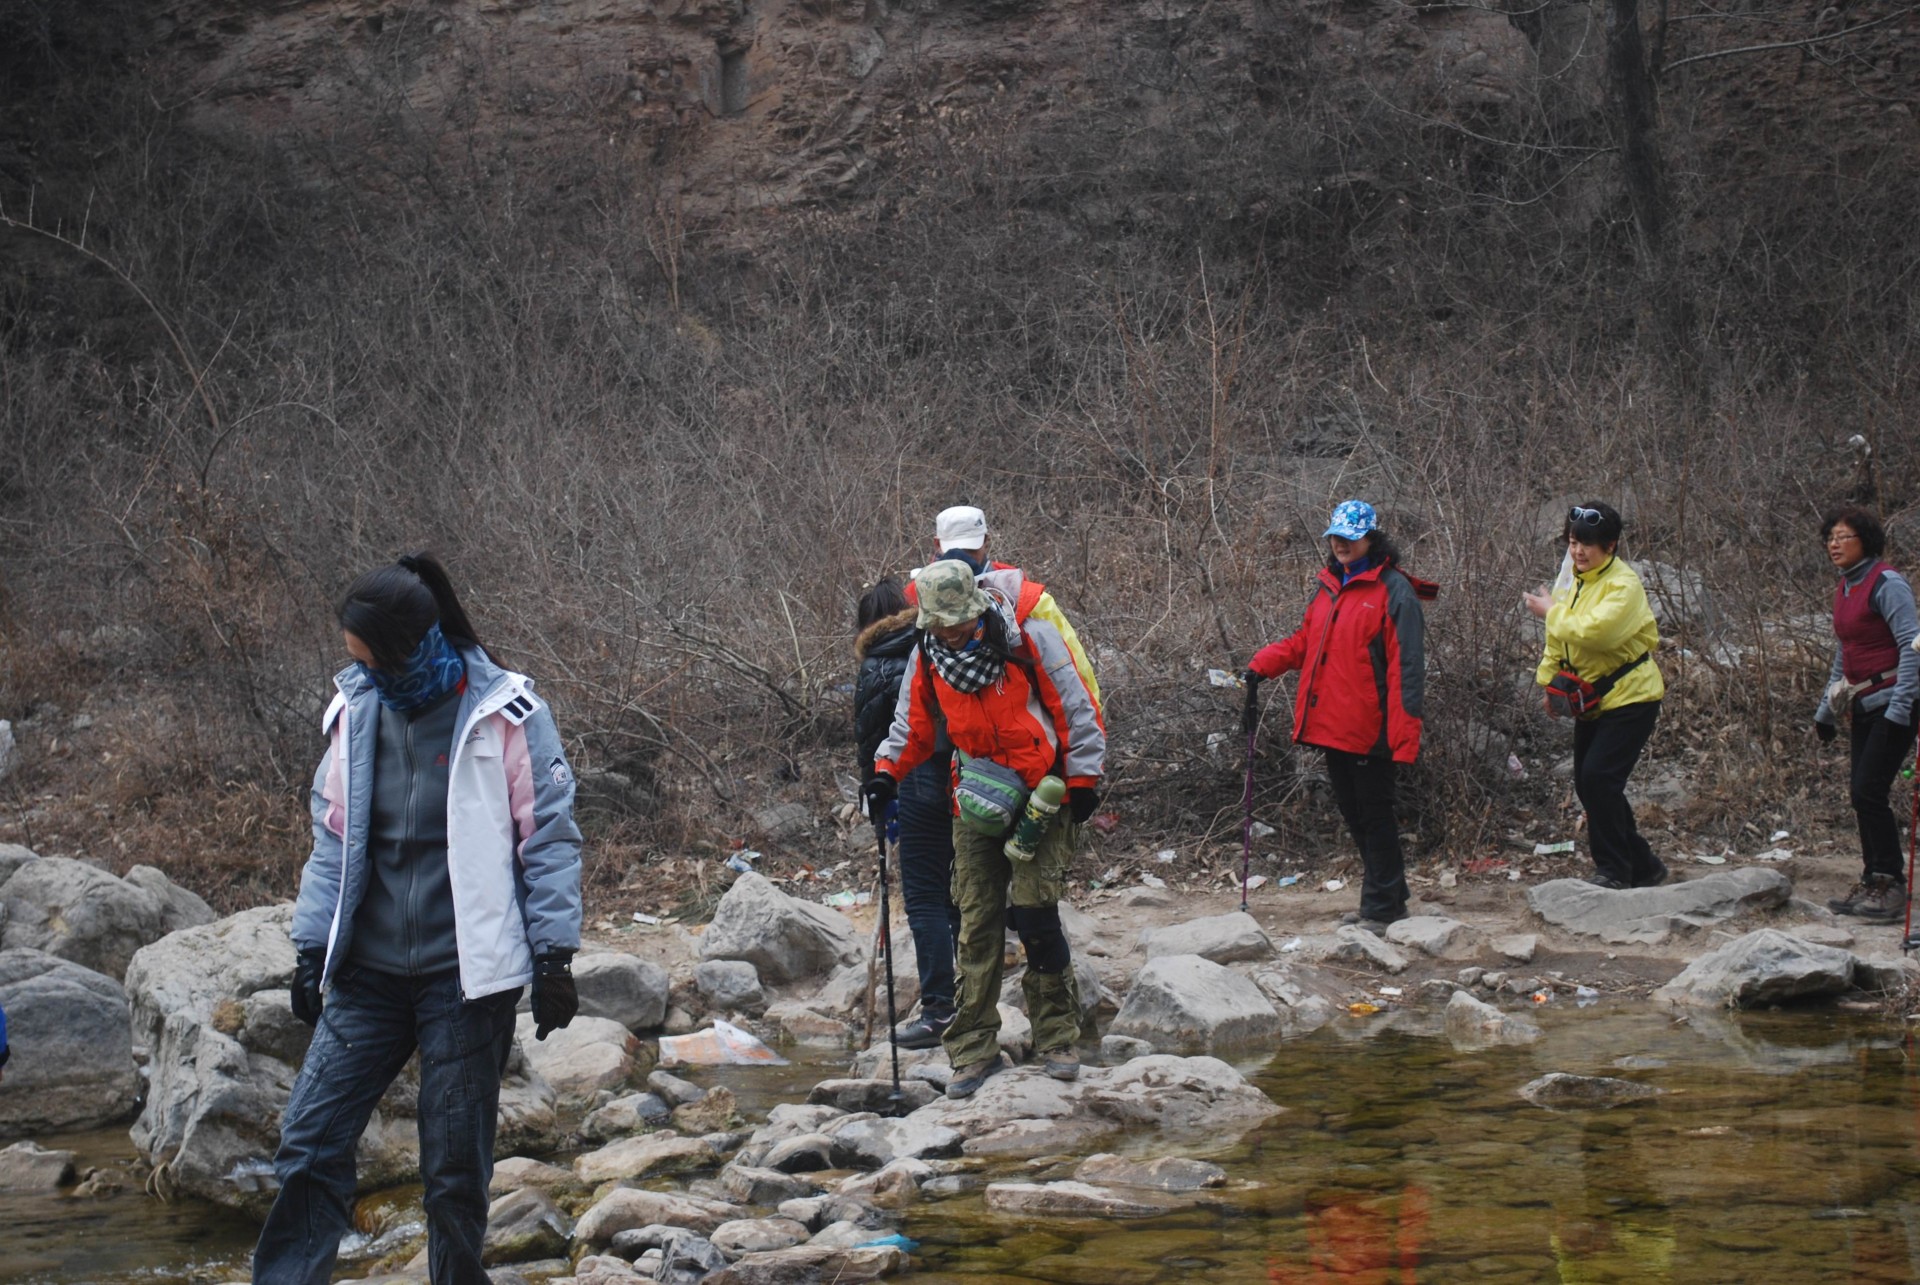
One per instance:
(1353,519)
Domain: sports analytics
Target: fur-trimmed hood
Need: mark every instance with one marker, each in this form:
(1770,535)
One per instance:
(874,637)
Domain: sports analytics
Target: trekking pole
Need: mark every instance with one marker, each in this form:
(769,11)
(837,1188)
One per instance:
(886,941)
(1913,841)
(1250,720)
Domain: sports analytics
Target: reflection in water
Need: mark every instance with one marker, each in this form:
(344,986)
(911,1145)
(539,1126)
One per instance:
(1618,1228)
(1786,1149)
(1359,1238)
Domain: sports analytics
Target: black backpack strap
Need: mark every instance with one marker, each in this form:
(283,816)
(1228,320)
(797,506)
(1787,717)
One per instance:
(1602,686)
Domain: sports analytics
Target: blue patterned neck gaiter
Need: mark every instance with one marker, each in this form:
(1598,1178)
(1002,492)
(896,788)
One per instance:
(433,670)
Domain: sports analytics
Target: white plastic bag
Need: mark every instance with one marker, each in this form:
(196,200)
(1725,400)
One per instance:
(724,1044)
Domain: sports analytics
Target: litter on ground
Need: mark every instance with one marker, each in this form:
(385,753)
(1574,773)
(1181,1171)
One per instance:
(722,1044)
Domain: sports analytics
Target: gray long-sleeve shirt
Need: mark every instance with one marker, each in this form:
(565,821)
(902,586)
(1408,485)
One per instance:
(1892,601)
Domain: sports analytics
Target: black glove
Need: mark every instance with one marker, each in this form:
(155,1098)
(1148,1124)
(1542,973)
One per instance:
(555,1001)
(1826,732)
(1081,801)
(306,985)
(878,791)
(1251,680)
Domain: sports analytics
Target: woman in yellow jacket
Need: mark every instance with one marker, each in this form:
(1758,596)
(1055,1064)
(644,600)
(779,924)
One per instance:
(1602,633)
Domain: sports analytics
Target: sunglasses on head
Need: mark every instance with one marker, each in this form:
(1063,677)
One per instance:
(1585,520)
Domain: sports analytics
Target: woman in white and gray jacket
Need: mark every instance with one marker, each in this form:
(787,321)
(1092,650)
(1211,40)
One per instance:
(445,876)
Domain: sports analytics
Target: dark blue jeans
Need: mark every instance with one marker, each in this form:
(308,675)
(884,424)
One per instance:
(370,1027)
(926,877)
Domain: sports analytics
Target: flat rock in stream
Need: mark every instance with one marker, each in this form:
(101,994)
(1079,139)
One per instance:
(627,1207)
(866,1140)
(1068,1200)
(814,1265)
(643,1157)
(873,1095)
(1763,967)
(1648,916)
(1182,1097)
(1475,1024)
(1558,1090)
(1168,1173)
(1188,1003)
(745,1236)
(27,1166)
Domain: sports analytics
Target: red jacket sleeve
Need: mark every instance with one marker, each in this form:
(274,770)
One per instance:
(1276,659)
(910,740)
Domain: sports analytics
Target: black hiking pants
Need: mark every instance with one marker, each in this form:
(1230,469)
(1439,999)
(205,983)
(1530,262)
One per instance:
(1605,748)
(1363,786)
(1880,748)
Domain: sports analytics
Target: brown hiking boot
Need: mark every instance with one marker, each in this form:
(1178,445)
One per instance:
(1844,905)
(1885,902)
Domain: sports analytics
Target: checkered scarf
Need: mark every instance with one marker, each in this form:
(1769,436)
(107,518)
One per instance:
(972,671)
(966,672)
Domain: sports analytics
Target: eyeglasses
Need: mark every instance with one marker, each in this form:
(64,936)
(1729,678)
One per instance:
(1839,537)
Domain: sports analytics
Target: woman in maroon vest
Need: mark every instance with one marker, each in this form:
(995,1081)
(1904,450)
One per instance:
(1875,678)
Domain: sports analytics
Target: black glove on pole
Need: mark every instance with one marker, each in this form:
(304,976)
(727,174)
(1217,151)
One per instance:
(1250,710)
(305,991)
(1250,724)
(555,1001)
(1826,732)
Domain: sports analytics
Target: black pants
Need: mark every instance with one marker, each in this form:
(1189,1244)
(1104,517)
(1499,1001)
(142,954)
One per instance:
(1880,748)
(1605,748)
(1363,787)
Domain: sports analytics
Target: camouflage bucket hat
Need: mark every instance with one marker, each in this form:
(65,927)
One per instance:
(948,596)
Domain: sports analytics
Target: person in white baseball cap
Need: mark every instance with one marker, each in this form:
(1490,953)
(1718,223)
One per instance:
(961,527)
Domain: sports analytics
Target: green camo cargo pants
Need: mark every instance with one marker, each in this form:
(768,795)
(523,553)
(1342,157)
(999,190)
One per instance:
(982,879)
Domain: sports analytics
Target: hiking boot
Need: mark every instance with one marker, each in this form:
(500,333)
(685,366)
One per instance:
(1886,900)
(1378,927)
(1844,905)
(1062,1064)
(1606,881)
(1654,880)
(967,1079)
(1351,917)
(923,1032)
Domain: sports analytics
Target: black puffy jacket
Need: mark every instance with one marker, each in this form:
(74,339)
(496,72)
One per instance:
(883,648)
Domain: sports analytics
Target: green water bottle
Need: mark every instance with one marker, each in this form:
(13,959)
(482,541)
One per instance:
(1042,805)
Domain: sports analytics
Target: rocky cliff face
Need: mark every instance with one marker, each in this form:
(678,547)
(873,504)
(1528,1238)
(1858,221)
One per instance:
(746,105)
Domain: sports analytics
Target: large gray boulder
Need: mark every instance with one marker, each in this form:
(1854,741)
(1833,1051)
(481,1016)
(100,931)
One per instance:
(1649,916)
(209,1004)
(1763,967)
(82,913)
(1185,1002)
(729,984)
(588,1055)
(1224,939)
(72,1065)
(622,988)
(785,938)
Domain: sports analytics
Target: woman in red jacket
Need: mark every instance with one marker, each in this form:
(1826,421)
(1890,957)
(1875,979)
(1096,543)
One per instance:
(1361,653)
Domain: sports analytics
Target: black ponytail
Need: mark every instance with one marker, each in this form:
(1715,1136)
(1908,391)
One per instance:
(391,608)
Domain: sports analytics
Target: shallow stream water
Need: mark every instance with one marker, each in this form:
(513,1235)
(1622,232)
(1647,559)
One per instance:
(1785,1148)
